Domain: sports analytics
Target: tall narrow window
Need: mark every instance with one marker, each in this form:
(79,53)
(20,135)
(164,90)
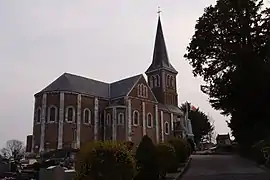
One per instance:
(145,91)
(135,118)
(158,80)
(154,81)
(38,115)
(151,82)
(168,81)
(70,114)
(167,128)
(108,119)
(52,114)
(87,116)
(172,82)
(120,119)
(149,120)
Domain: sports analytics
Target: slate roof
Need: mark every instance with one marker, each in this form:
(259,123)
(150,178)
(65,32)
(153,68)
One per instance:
(74,83)
(160,55)
(170,108)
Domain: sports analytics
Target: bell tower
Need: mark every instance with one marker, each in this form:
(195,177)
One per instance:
(161,74)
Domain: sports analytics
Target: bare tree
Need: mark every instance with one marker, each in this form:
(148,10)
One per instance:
(14,149)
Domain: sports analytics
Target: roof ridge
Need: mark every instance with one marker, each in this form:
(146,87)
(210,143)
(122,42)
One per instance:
(80,76)
(126,78)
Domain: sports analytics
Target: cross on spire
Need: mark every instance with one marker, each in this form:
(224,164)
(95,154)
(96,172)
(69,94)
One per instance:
(159,11)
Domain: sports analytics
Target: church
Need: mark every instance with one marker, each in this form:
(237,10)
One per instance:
(73,110)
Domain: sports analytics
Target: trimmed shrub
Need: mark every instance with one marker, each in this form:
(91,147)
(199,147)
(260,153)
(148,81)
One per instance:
(146,158)
(105,161)
(181,149)
(166,159)
(129,145)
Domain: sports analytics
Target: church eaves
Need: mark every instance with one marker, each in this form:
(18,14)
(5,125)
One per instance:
(160,56)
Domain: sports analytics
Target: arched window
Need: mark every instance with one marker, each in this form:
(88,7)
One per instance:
(52,114)
(172,81)
(154,81)
(151,82)
(149,120)
(145,92)
(168,80)
(136,118)
(70,114)
(167,128)
(108,119)
(87,116)
(120,119)
(158,80)
(38,115)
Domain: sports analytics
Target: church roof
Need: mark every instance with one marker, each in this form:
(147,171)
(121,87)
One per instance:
(122,87)
(74,83)
(160,55)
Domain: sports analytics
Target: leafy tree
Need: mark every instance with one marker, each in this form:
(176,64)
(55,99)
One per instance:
(230,50)
(14,149)
(146,157)
(200,122)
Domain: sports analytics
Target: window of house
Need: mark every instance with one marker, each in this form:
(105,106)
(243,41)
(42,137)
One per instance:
(52,114)
(70,114)
(38,115)
(120,119)
(167,128)
(135,118)
(87,116)
(149,120)
(108,119)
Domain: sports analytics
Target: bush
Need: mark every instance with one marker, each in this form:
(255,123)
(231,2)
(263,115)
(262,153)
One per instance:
(181,149)
(129,145)
(105,161)
(146,158)
(166,159)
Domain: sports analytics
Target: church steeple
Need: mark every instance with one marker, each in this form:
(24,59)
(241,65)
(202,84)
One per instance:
(160,57)
(161,74)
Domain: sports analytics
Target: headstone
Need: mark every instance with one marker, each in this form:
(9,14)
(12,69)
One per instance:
(52,173)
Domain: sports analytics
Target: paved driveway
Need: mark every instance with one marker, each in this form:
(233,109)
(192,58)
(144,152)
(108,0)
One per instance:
(224,167)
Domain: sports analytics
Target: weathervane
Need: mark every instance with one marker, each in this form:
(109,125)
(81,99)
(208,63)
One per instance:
(159,11)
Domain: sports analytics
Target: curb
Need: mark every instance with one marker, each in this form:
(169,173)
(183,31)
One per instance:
(185,168)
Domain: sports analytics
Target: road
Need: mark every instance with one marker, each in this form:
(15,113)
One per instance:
(224,167)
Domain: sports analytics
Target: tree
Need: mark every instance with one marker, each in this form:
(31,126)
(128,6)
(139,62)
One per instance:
(230,50)
(200,122)
(14,149)
(147,162)
(167,161)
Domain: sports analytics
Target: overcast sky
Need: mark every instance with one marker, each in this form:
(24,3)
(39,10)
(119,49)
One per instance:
(105,40)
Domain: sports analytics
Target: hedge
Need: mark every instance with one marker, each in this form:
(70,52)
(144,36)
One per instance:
(181,148)
(105,161)
(166,159)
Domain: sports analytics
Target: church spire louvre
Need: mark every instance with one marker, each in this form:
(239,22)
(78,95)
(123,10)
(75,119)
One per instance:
(160,56)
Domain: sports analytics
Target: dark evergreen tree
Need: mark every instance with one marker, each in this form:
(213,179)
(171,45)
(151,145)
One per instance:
(201,125)
(147,162)
(230,50)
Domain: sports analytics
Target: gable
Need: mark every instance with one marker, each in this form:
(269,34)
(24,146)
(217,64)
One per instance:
(124,86)
(140,87)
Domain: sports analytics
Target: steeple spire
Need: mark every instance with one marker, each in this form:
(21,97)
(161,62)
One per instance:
(160,56)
